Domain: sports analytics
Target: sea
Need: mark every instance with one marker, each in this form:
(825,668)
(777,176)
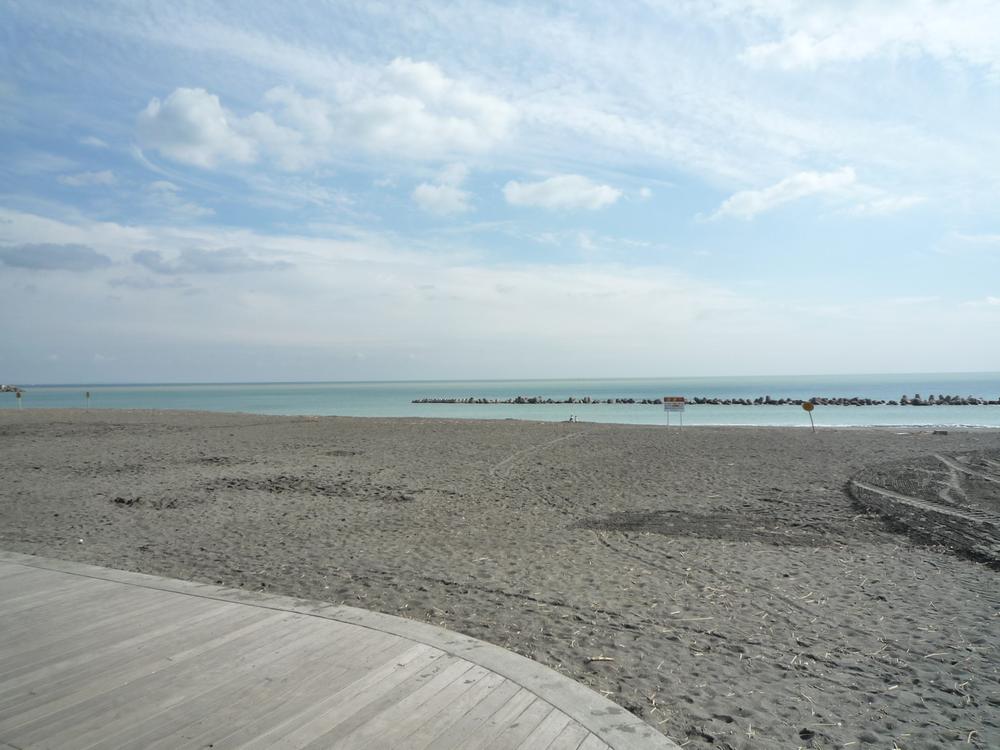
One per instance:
(395,399)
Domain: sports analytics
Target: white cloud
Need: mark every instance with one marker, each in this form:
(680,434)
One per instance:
(887,204)
(191,126)
(86,179)
(977,239)
(413,109)
(165,197)
(445,197)
(50,257)
(562,192)
(748,203)
(197,261)
(406,109)
(443,200)
(375,294)
(816,33)
(93,142)
(660,90)
(989,301)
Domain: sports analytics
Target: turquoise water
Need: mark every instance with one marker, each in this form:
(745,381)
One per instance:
(385,399)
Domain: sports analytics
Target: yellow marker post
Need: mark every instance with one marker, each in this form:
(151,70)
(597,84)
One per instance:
(809,406)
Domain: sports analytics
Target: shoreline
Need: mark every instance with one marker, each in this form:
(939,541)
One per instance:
(728,578)
(111,410)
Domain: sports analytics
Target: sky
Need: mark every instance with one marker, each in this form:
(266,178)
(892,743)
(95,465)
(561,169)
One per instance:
(201,191)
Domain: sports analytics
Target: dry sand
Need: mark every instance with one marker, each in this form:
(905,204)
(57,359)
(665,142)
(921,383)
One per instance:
(718,582)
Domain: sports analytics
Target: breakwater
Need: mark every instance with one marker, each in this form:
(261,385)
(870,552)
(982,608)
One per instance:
(905,400)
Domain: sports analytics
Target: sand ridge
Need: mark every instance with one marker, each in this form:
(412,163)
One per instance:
(718,582)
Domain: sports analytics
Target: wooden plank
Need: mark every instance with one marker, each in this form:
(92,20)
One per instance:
(56,617)
(118,647)
(478,713)
(15,590)
(95,679)
(99,698)
(517,731)
(284,708)
(498,722)
(77,665)
(570,738)
(131,709)
(452,714)
(33,580)
(593,742)
(10,570)
(330,729)
(49,643)
(401,716)
(66,591)
(349,697)
(186,724)
(24,574)
(420,726)
(546,732)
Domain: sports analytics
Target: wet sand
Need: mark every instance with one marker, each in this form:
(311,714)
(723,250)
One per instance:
(721,583)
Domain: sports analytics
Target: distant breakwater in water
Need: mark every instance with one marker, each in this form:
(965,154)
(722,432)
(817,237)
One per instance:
(916,400)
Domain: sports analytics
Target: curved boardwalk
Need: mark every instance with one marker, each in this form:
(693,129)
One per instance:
(99,658)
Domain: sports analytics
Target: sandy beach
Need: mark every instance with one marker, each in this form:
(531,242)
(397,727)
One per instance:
(721,583)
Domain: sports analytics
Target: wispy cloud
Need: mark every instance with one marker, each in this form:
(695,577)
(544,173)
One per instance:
(93,141)
(51,257)
(983,240)
(562,192)
(87,179)
(987,302)
(195,261)
(884,205)
(841,185)
(747,204)
(815,33)
(164,197)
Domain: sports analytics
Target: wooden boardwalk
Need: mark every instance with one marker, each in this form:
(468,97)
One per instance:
(98,658)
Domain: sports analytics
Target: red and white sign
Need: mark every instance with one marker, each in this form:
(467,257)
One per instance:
(673,403)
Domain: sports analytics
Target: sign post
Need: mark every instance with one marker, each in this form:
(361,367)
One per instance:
(809,406)
(18,394)
(88,399)
(674,403)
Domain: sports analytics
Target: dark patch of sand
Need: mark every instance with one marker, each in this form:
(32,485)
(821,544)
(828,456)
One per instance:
(736,594)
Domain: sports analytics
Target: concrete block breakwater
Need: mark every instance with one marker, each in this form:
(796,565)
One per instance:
(905,400)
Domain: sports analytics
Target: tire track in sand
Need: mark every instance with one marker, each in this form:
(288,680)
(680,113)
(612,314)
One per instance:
(505,464)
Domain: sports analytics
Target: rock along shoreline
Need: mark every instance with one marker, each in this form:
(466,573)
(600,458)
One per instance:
(905,400)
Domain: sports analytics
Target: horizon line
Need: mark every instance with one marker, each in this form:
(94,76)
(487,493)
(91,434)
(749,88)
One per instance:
(126,384)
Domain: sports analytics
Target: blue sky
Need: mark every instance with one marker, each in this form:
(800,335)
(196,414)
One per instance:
(236,191)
